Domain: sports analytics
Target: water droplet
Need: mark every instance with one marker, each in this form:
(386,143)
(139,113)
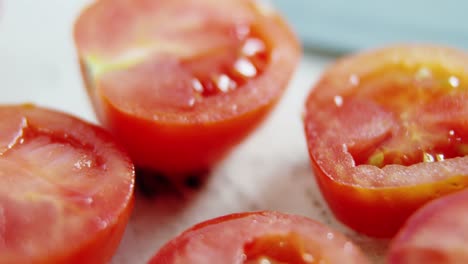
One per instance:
(354,80)
(253,46)
(454,81)
(348,247)
(452,133)
(245,67)
(427,157)
(423,73)
(88,200)
(330,236)
(440,157)
(307,257)
(338,100)
(197,86)
(191,102)
(101,224)
(242,31)
(265,261)
(224,83)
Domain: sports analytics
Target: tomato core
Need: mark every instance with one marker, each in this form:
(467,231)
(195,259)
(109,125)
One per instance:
(278,249)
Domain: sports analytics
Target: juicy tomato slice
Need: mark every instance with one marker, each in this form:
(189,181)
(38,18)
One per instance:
(260,237)
(66,188)
(387,131)
(436,233)
(180,82)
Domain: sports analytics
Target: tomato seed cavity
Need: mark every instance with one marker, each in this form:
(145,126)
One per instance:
(405,95)
(231,72)
(279,249)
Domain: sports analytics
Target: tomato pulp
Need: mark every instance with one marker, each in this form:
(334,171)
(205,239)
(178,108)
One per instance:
(436,233)
(387,131)
(66,188)
(260,237)
(181,82)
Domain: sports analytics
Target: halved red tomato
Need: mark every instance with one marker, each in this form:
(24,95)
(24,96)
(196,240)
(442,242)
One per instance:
(180,82)
(436,233)
(65,188)
(387,131)
(260,237)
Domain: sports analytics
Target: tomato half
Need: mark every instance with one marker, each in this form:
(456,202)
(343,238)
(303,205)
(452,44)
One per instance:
(260,237)
(436,233)
(387,131)
(65,188)
(180,82)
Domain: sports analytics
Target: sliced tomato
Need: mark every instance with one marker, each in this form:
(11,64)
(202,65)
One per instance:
(65,188)
(436,233)
(387,131)
(181,82)
(260,237)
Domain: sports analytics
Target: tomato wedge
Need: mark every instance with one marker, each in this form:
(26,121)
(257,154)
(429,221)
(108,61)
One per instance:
(260,237)
(387,131)
(65,188)
(436,233)
(180,82)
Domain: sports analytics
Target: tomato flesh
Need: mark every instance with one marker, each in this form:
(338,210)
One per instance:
(179,98)
(66,191)
(260,237)
(436,233)
(387,132)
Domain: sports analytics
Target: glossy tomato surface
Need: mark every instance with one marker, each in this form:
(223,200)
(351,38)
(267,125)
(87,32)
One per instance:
(260,237)
(436,233)
(387,131)
(65,188)
(180,82)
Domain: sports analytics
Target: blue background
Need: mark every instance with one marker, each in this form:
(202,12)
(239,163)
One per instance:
(343,26)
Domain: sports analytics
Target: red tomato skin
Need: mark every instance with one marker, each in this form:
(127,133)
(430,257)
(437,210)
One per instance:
(378,211)
(102,245)
(177,249)
(177,149)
